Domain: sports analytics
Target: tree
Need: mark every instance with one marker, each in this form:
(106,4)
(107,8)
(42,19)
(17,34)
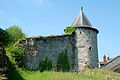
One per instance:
(16,52)
(15,34)
(4,37)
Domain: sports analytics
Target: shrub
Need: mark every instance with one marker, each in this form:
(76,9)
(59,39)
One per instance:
(18,54)
(63,63)
(45,65)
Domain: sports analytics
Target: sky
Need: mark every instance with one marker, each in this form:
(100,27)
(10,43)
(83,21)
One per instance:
(50,17)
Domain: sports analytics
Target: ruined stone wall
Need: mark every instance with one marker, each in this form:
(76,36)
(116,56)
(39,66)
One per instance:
(40,48)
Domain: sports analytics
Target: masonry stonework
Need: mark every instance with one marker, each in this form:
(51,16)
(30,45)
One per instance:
(86,46)
(81,46)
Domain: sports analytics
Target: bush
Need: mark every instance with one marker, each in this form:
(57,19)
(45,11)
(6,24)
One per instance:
(45,65)
(18,54)
(63,63)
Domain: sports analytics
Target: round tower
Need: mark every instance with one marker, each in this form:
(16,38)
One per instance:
(86,50)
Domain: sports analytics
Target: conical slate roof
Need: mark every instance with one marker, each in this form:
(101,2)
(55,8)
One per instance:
(81,20)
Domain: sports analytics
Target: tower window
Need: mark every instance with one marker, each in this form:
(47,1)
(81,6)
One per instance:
(89,32)
(90,48)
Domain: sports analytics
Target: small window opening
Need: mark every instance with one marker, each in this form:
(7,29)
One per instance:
(89,32)
(90,48)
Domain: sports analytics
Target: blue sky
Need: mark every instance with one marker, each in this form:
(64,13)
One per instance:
(50,17)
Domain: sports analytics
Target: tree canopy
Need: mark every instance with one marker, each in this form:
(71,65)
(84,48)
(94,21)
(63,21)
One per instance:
(15,34)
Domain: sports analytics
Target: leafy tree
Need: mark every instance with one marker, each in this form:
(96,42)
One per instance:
(15,34)
(63,63)
(16,52)
(4,37)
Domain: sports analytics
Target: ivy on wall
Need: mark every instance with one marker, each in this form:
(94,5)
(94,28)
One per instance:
(63,63)
(69,30)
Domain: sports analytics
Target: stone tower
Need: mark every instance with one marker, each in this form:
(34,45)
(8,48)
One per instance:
(86,51)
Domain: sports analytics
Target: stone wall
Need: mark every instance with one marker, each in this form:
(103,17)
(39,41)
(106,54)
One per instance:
(81,46)
(50,47)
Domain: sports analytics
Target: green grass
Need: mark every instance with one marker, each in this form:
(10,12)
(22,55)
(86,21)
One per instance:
(36,75)
(16,73)
(94,74)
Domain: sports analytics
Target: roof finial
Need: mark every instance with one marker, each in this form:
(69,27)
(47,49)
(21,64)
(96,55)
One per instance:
(82,8)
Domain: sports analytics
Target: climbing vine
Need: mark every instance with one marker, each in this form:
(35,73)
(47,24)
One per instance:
(45,65)
(63,63)
(69,30)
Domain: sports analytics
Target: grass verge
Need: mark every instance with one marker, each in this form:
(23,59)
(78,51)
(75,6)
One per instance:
(15,73)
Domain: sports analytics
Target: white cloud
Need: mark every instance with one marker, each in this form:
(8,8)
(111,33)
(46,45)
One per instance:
(40,2)
(37,2)
(33,1)
(21,1)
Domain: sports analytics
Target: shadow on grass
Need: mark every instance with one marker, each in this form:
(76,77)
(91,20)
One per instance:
(13,73)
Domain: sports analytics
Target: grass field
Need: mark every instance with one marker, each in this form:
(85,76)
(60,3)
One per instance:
(93,74)
(60,76)
(36,75)
(16,73)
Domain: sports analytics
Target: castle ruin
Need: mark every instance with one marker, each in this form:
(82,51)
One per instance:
(81,46)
